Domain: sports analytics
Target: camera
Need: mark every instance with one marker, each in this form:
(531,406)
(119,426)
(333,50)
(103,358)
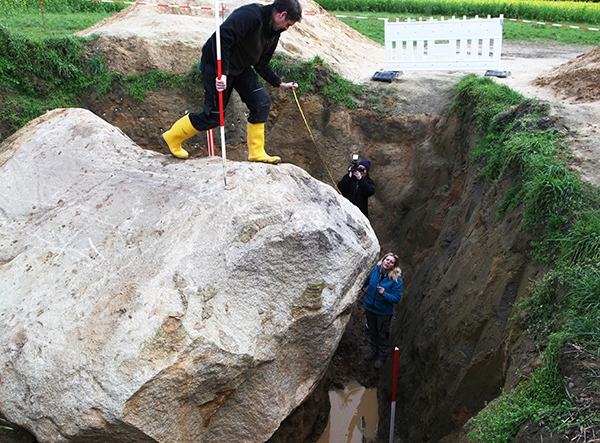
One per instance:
(354,166)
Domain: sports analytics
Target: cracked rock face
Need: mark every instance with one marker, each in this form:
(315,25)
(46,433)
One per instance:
(143,299)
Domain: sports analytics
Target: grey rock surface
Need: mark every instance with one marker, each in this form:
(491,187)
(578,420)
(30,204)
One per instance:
(143,300)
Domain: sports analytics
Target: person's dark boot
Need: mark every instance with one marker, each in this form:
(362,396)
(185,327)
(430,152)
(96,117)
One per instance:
(370,355)
(379,363)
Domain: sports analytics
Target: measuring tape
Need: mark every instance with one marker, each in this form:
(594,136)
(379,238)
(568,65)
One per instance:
(314,142)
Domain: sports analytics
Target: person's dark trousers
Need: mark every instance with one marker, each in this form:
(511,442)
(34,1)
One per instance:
(248,87)
(379,330)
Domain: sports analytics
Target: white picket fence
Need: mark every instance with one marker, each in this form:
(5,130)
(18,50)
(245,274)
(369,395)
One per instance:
(443,45)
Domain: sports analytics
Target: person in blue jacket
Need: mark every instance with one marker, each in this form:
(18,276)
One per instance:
(384,289)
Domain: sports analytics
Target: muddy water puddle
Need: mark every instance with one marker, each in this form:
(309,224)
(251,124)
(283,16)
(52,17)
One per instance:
(353,415)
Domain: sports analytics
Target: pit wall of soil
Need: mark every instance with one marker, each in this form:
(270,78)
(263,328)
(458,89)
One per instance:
(460,337)
(463,267)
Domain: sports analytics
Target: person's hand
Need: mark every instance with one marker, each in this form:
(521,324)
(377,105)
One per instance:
(380,289)
(359,175)
(288,86)
(221,83)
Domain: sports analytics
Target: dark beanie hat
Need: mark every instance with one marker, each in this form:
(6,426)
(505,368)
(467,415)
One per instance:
(366,164)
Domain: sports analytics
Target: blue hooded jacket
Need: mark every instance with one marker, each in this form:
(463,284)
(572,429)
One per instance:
(377,303)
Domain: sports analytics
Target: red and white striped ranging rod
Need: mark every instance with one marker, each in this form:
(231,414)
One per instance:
(218,35)
(210,143)
(552,24)
(394,386)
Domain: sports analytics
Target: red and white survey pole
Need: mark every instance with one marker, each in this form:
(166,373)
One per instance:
(394,386)
(210,142)
(218,35)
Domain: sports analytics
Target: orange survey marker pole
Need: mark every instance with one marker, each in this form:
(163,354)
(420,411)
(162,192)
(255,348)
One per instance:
(218,35)
(394,386)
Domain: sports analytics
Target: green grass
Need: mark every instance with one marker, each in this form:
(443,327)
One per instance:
(59,18)
(560,213)
(551,193)
(56,24)
(541,399)
(38,74)
(374,29)
(531,32)
(5,427)
(17,7)
(582,243)
(315,77)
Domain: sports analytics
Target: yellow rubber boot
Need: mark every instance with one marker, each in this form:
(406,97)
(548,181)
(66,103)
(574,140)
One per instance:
(256,144)
(180,131)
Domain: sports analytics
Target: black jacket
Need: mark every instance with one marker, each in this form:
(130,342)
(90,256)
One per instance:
(247,39)
(359,195)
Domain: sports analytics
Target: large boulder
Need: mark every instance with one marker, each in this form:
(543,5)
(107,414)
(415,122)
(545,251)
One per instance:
(145,300)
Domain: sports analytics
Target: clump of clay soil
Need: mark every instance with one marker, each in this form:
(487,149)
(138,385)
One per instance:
(577,80)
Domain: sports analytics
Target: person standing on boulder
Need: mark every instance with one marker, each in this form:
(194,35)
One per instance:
(249,37)
(357,186)
(384,289)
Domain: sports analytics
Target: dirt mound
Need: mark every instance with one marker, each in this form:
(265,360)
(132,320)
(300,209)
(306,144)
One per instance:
(577,80)
(170,39)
